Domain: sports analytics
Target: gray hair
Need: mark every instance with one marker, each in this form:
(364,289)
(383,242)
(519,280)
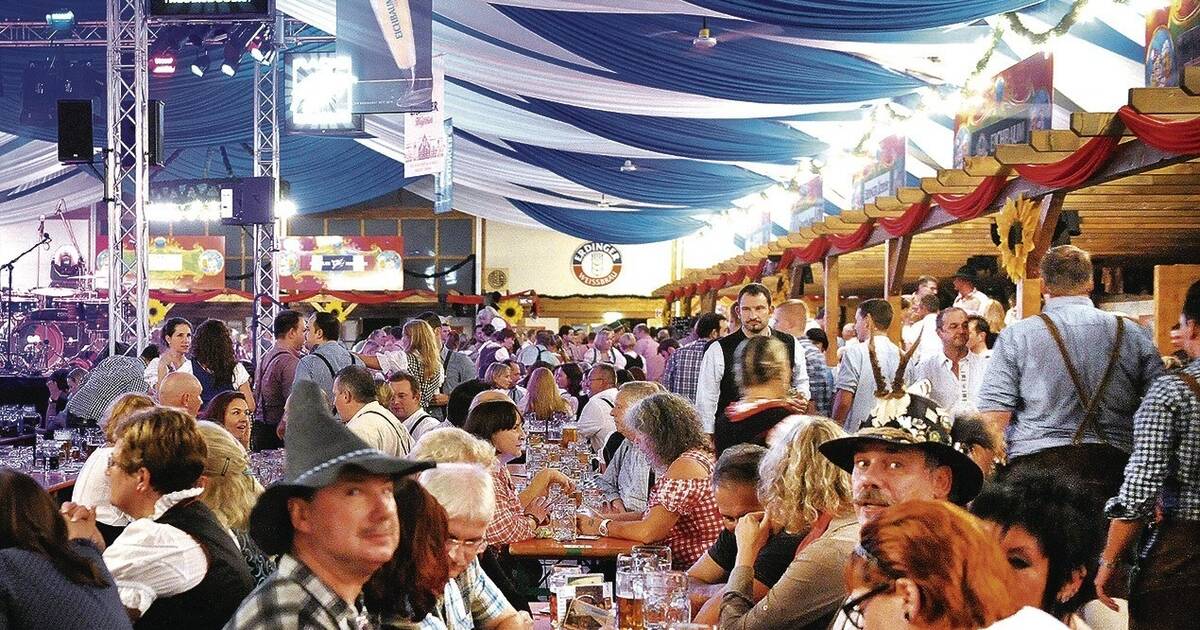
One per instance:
(941,316)
(452,444)
(1067,270)
(638,390)
(465,491)
(670,425)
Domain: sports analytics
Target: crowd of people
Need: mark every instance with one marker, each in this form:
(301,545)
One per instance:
(973,473)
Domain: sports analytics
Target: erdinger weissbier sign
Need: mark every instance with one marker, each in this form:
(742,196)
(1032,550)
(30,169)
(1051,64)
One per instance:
(1019,102)
(390,45)
(1172,42)
(342,263)
(596,264)
(206,10)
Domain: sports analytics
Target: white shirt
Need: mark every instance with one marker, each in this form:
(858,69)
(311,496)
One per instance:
(856,376)
(929,341)
(1028,618)
(974,303)
(151,371)
(381,430)
(150,560)
(596,422)
(93,489)
(951,392)
(613,356)
(419,422)
(712,369)
(392,361)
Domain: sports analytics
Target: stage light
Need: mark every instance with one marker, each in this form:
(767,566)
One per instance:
(61,20)
(235,47)
(163,62)
(202,63)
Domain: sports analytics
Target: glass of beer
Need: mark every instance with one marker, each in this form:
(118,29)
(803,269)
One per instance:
(570,434)
(665,599)
(652,557)
(630,593)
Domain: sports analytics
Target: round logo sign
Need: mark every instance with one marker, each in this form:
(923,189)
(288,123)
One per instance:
(596,264)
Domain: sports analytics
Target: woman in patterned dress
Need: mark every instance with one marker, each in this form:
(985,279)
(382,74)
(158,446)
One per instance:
(681,512)
(424,359)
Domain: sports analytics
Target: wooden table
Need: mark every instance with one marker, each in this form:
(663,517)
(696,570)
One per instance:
(549,549)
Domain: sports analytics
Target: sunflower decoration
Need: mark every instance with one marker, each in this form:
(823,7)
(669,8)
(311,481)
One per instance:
(156,311)
(1017,224)
(511,310)
(337,308)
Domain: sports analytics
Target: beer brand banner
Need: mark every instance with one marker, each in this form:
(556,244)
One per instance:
(390,44)
(1172,42)
(1019,102)
(443,182)
(342,263)
(884,175)
(175,263)
(425,132)
(810,205)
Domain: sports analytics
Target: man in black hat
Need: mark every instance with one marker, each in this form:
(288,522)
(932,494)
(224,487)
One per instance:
(969,298)
(333,517)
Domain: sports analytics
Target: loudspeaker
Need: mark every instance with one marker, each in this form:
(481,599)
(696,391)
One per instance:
(75,141)
(247,201)
(154,134)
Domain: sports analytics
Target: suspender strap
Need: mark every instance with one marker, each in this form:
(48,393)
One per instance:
(399,437)
(328,365)
(1191,382)
(1091,404)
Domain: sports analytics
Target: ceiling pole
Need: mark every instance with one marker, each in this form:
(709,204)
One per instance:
(1029,290)
(832,308)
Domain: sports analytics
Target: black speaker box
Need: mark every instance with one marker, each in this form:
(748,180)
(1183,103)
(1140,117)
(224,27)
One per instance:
(75,141)
(154,136)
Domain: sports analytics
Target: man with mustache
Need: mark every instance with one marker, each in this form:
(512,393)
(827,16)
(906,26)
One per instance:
(717,386)
(333,517)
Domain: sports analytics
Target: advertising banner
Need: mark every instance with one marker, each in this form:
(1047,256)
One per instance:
(317,93)
(882,176)
(810,205)
(175,263)
(1172,42)
(443,182)
(390,45)
(425,134)
(1019,102)
(342,263)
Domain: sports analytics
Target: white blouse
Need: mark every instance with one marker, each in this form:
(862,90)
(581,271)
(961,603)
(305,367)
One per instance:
(93,489)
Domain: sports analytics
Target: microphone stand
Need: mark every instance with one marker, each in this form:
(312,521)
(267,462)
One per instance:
(8,362)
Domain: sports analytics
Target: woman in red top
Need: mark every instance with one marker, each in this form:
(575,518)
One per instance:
(681,513)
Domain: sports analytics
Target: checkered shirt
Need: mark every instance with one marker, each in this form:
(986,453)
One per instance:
(820,377)
(682,373)
(112,377)
(471,600)
(692,500)
(293,598)
(509,524)
(1165,463)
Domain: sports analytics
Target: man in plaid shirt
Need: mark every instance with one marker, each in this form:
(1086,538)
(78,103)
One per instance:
(792,318)
(683,368)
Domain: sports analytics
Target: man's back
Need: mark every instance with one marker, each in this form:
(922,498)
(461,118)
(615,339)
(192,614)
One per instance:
(322,365)
(380,429)
(1028,376)
(273,383)
(856,376)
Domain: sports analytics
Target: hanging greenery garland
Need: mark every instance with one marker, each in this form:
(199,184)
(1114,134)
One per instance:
(1017,224)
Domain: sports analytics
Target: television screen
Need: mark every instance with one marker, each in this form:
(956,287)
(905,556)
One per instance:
(202,10)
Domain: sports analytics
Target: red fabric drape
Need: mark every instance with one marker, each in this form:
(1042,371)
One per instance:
(1173,136)
(760,269)
(855,239)
(907,223)
(811,253)
(974,203)
(1074,169)
(191,297)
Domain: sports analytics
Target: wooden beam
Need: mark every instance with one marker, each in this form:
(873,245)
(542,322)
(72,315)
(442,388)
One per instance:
(957,177)
(853,216)
(1049,212)
(1091,124)
(1190,80)
(1026,154)
(1170,100)
(1056,140)
(983,166)
(895,261)
(832,312)
(875,213)
(931,186)
(909,196)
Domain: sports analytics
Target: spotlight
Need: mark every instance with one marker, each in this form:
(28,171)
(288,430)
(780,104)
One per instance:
(202,63)
(235,46)
(259,44)
(163,62)
(61,20)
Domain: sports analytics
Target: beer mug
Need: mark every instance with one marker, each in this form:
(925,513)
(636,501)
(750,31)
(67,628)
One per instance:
(652,557)
(630,593)
(570,434)
(665,599)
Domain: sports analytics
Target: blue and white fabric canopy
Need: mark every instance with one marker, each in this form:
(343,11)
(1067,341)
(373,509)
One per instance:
(553,100)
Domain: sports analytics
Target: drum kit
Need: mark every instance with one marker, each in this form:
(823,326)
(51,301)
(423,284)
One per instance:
(52,327)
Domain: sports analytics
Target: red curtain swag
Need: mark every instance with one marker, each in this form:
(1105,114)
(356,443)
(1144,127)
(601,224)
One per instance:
(1074,169)
(974,203)
(855,239)
(1173,136)
(907,223)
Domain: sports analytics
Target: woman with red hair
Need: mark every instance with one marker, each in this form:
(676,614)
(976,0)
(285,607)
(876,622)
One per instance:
(930,564)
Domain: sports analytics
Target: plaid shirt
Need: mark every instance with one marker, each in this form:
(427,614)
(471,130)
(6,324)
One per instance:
(683,370)
(820,377)
(1166,454)
(509,524)
(471,600)
(114,376)
(293,598)
(692,500)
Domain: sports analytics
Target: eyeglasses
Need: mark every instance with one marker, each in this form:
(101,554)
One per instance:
(470,546)
(853,608)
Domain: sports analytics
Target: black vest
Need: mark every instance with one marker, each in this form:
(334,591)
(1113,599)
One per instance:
(729,389)
(217,597)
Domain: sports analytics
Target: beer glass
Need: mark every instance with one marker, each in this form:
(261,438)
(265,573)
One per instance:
(629,594)
(570,434)
(652,557)
(665,599)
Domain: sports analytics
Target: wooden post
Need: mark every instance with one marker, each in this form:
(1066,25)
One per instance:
(1171,283)
(895,259)
(833,327)
(1029,291)
(895,331)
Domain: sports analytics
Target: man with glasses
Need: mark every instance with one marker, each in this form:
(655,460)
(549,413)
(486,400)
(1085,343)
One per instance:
(955,373)
(596,421)
(471,599)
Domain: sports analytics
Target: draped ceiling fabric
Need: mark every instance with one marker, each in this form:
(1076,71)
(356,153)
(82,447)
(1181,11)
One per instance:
(551,98)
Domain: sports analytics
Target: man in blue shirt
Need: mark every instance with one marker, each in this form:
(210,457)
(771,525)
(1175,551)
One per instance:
(1062,388)
(326,355)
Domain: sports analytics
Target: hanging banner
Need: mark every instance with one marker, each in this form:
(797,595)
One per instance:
(424,132)
(342,263)
(443,182)
(390,44)
(1172,42)
(174,263)
(883,176)
(810,205)
(1019,102)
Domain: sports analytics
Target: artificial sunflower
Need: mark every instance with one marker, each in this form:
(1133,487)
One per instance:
(511,310)
(337,308)
(1017,224)
(156,311)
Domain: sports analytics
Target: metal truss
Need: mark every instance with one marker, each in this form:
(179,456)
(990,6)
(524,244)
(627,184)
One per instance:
(40,34)
(267,238)
(128,173)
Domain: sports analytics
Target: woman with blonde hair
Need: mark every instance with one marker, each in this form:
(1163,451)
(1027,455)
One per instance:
(447,445)
(804,494)
(544,404)
(92,487)
(230,492)
(424,359)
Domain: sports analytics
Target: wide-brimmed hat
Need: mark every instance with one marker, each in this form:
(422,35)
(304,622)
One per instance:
(967,273)
(911,420)
(318,449)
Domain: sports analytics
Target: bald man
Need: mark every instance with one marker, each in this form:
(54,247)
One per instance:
(792,318)
(182,390)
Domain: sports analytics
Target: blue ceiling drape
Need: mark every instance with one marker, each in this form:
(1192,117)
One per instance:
(839,16)
(608,226)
